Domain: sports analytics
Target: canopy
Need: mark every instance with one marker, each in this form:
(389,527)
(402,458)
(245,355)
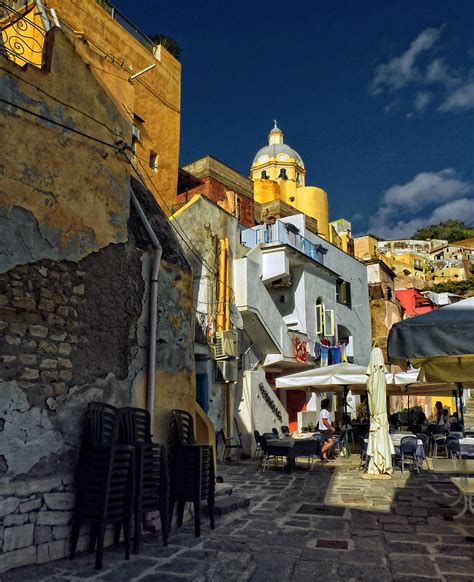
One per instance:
(380,447)
(327,378)
(441,342)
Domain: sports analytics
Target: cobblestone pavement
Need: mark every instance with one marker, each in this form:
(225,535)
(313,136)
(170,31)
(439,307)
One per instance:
(369,530)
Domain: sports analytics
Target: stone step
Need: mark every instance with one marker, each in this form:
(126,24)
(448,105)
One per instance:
(223,489)
(230,504)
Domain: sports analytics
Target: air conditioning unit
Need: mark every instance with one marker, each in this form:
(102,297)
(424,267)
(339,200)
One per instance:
(225,345)
(226,371)
(283,282)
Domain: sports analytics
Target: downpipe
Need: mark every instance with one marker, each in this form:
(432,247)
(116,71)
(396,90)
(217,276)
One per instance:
(153,308)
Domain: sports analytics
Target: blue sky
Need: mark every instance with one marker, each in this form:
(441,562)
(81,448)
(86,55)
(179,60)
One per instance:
(377,97)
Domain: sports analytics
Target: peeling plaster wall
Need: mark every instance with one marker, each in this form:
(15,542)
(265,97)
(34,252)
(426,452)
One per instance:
(65,192)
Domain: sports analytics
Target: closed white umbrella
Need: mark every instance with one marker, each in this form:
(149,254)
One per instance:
(380,448)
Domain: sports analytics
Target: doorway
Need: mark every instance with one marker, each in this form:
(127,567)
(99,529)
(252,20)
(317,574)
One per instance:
(295,402)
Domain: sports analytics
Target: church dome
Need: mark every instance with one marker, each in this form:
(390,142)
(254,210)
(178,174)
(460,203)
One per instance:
(276,150)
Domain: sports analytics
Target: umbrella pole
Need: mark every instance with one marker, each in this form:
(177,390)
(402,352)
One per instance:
(460,391)
(346,436)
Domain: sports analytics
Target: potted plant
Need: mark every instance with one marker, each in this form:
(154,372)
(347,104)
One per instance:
(310,427)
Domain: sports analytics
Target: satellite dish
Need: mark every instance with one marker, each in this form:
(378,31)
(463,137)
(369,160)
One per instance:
(235,316)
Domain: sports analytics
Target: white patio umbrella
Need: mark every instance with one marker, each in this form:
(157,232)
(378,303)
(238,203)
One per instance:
(380,448)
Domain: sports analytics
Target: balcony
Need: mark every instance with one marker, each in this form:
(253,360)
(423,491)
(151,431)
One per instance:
(129,26)
(284,233)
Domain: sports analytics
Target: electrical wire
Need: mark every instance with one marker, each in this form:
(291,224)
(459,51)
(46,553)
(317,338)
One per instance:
(59,124)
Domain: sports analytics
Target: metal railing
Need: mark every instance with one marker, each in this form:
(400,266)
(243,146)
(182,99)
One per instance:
(21,39)
(129,26)
(284,233)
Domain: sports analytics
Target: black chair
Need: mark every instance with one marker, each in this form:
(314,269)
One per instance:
(258,450)
(456,427)
(229,443)
(424,438)
(104,496)
(285,431)
(151,471)
(275,432)
(454,448)
(408,446)
(439,442)
(267,456)
(364,457)
(192,473)
(100,424)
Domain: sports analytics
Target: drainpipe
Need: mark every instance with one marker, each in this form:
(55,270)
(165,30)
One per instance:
(155,267)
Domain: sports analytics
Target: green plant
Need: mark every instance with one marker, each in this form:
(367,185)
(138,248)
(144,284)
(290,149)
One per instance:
(310,427)
(361,410)
(167,42)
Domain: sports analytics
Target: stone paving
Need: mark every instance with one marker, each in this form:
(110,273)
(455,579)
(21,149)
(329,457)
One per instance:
(386,530)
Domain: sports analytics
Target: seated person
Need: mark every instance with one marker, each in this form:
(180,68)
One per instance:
(326,429)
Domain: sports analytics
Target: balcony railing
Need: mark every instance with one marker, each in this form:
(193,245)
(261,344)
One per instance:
(285,233)
(129,26)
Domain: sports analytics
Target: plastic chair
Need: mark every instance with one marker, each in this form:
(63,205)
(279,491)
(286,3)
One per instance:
(151,470)
(100,424)
(408,446)
(192,470)
(364,457)
(229,443)
(275,432)
(258,450)
(454,448)
(421,436)
(104,496)
(439,442)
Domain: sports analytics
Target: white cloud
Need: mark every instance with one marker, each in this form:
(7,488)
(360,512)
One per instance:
(461,99)
(444,189)
(402,70)
(422,100)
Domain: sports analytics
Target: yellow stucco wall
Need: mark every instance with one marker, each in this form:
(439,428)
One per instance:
(314,202)
(114,55)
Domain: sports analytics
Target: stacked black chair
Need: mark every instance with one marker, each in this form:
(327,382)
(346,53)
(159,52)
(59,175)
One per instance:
(151,471)
(192,470)
(105,481)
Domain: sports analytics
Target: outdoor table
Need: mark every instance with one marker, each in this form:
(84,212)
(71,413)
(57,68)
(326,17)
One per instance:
(466,446)
(465,486)
(451,466)
(292,448)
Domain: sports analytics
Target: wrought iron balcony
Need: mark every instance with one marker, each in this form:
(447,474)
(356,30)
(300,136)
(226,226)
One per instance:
(284,233)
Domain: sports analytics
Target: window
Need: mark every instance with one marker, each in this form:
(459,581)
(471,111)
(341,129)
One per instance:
(343,292)
(418,265)
(154,161)
(298,178)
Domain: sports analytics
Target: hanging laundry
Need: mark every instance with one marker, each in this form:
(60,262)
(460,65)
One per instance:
(343,353)
(317,351)
(324,356)
(335,355)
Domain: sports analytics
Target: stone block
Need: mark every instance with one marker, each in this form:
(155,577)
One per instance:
(64,349)
(3,300)
(52,551)
(56,320)
(47,347)
(18,558)
(30,374)
(8,505)
(28,359)
(15,519)
(54,517)
(60,501)
(79,289)
(64,363)
(58,336)
(49,375)
(33,517)
(36,486)
(30,505)
(61,532)
(12,340)
(48,364)
(24,303)
(38,330)
(18,328)
(65,375)
(9,361)
(47,305)
(20,536)
(43,534)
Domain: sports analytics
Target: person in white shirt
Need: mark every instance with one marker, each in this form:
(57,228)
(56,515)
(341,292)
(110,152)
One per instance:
(326,429)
